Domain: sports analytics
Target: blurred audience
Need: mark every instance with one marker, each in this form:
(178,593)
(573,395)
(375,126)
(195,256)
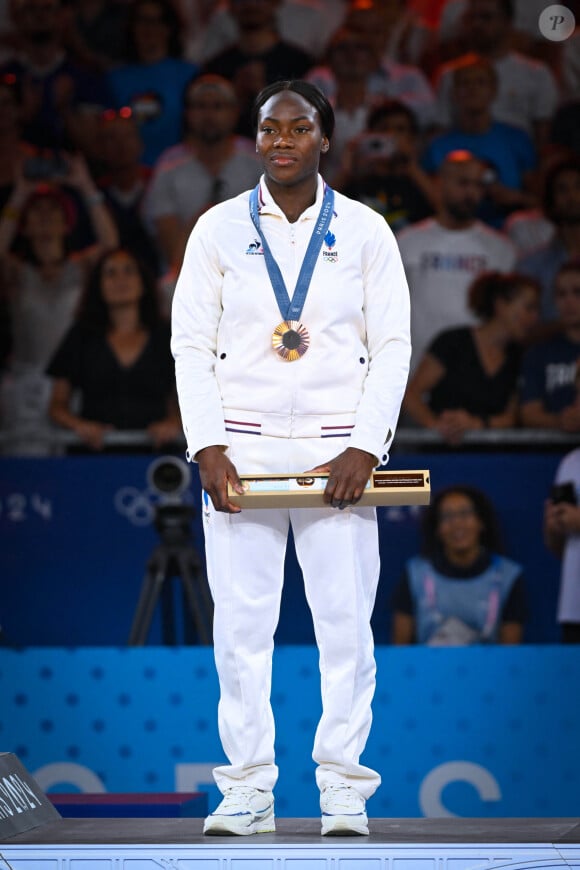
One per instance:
(524,32)
(385,77)
(561,205)
(527,93)
(398,31)
(468,377)
(151,83)
(97,32)
(549,393)
(460,590)
(307,24)
(562,536)
(61,98)
(258,57)
(123,179)
(117,356)
(353,81)
(507,151)
(42,282)
(380,167)
(531,228)
(210,164)
(178,142)
(443,254)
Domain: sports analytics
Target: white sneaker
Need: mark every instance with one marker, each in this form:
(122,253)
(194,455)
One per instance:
(343,811)
(244,810)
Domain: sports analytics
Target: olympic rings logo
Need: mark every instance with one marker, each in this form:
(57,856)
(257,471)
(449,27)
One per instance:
(135,505)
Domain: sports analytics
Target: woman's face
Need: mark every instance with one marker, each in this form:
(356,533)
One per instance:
(45,218)
(520,314)
(459,527)
(120,280)
(289,139)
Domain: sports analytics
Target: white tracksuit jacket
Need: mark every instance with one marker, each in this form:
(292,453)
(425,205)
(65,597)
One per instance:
(277,416)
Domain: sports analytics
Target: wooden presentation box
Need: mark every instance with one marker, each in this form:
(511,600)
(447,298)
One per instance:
(306,490)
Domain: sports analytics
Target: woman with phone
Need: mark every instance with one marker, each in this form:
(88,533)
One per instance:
(42,280)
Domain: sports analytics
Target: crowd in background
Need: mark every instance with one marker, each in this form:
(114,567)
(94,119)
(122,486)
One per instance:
(121,121)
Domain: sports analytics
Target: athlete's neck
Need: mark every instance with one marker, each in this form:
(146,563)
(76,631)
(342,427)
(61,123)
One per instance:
(293,199)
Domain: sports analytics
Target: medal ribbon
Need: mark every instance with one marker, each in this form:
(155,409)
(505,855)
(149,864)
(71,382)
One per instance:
(291,309)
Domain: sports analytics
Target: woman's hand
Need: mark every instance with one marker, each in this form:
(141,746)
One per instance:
(91,433)
(164,432)
(348,474)
(78,174)
(452,425)
(215,471)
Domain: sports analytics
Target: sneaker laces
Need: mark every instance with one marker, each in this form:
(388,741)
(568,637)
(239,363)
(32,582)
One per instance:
(237,794)
(345,796)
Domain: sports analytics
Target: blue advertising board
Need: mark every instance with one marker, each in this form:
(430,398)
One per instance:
(483,731)
(77,534)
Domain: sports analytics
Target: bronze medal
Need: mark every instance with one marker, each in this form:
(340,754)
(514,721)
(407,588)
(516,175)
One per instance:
(290,340)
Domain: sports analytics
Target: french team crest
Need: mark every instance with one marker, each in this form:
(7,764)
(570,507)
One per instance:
(328,255)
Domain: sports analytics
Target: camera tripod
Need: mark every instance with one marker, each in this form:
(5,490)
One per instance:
(175,556)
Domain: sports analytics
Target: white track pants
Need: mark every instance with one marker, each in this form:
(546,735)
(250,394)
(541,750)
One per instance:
(339,557)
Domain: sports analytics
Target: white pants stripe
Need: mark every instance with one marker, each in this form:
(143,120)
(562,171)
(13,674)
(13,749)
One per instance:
(339,558)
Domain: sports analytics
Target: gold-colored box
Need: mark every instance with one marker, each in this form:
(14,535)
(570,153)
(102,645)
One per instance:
(307,490)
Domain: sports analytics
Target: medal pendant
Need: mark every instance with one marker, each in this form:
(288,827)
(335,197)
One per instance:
(290,340)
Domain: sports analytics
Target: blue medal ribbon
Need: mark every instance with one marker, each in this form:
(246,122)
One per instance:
(291,309)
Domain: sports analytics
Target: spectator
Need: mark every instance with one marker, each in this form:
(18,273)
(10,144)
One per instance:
(399,33)
(443,254)
(117,355)
(562,207)
(307,24)
(209,165)
(524,31)
(98,33)
(530,228)
(460,590)
(527,94)
(345,79)
(258,57)
(380,167)
(61,98)
(386,79)
(550,398)
(507,151)
(124,180)
(153,80)
(468,377)
(562,536)
(42,281)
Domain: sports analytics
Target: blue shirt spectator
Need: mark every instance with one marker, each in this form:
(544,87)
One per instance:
(153,80)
